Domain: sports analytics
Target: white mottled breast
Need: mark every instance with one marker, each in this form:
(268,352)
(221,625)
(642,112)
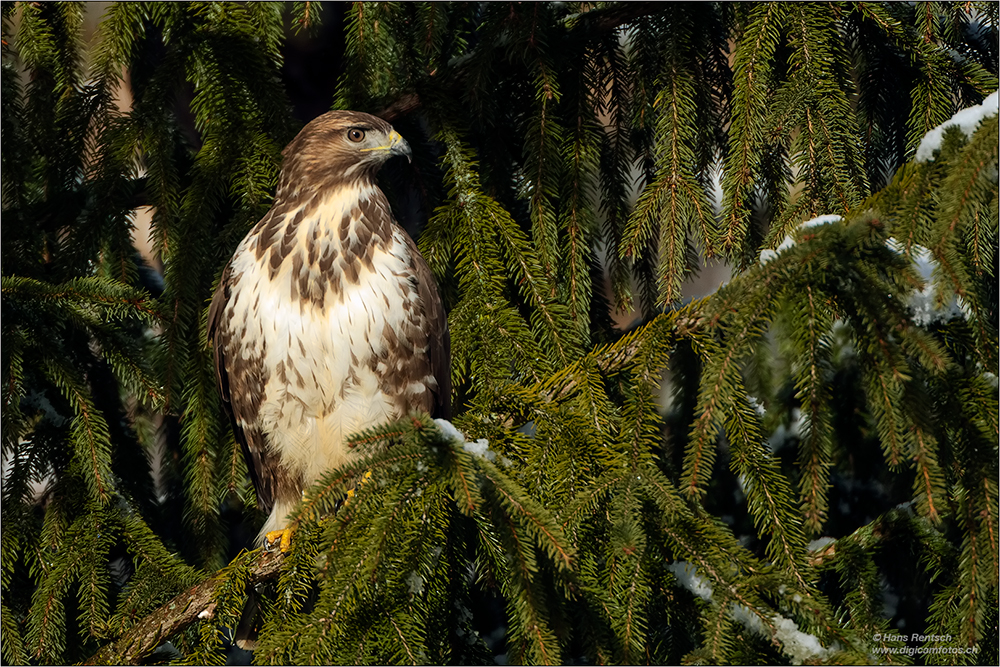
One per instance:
(326,351)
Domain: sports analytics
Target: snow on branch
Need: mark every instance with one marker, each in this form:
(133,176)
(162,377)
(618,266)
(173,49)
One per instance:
(966,120)
(767,255)
(797,645)
(480,447)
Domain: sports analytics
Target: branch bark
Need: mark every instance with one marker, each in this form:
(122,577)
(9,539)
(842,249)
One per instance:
(612,361)
(180,612)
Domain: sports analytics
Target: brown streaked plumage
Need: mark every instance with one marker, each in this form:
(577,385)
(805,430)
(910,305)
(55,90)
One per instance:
(326,320)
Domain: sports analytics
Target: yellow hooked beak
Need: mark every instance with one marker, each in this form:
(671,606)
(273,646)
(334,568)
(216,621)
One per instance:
(397,146)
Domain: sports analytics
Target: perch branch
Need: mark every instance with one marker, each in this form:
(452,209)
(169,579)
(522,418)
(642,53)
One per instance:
(183,610)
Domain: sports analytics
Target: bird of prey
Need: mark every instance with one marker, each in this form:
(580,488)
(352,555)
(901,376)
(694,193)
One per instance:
(327,320)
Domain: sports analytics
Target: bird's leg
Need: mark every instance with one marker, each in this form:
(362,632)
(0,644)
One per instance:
(284,535)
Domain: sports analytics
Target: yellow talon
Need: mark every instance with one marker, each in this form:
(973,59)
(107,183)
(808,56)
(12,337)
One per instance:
(283,536)
(364,478)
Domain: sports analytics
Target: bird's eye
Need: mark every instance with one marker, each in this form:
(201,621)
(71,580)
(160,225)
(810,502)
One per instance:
(356,135)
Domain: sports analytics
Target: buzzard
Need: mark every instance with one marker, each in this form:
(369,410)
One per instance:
(326,320)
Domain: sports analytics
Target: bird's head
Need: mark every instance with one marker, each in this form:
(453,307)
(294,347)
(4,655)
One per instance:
(339,146)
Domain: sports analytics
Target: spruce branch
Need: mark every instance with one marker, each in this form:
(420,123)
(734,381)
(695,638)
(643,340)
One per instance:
(186,608)
(587,26)
(848,373)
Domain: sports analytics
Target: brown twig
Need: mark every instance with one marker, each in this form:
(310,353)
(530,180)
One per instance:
(183,610)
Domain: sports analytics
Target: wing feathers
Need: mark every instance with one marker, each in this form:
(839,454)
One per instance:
(438,337)
(241,386)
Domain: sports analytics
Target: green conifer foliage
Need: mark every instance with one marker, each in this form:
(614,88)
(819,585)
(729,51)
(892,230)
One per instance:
(800,467)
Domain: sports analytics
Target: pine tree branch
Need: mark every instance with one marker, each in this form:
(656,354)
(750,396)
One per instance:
(586,26)
(192,605)
(402,106)
(600,21)
(615,358)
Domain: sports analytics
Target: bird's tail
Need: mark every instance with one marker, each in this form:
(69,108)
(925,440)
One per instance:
(246,632)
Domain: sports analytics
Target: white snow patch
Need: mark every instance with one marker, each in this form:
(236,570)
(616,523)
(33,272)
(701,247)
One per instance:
(751,621)
(820,543)
(925,261)
(767,255)
(926,310)
(415,583)
(786,243)
(480,447)
(893,244)
(820,220)
(797,645)
(966,120)
(688,577)
(757,406)
(448,430)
